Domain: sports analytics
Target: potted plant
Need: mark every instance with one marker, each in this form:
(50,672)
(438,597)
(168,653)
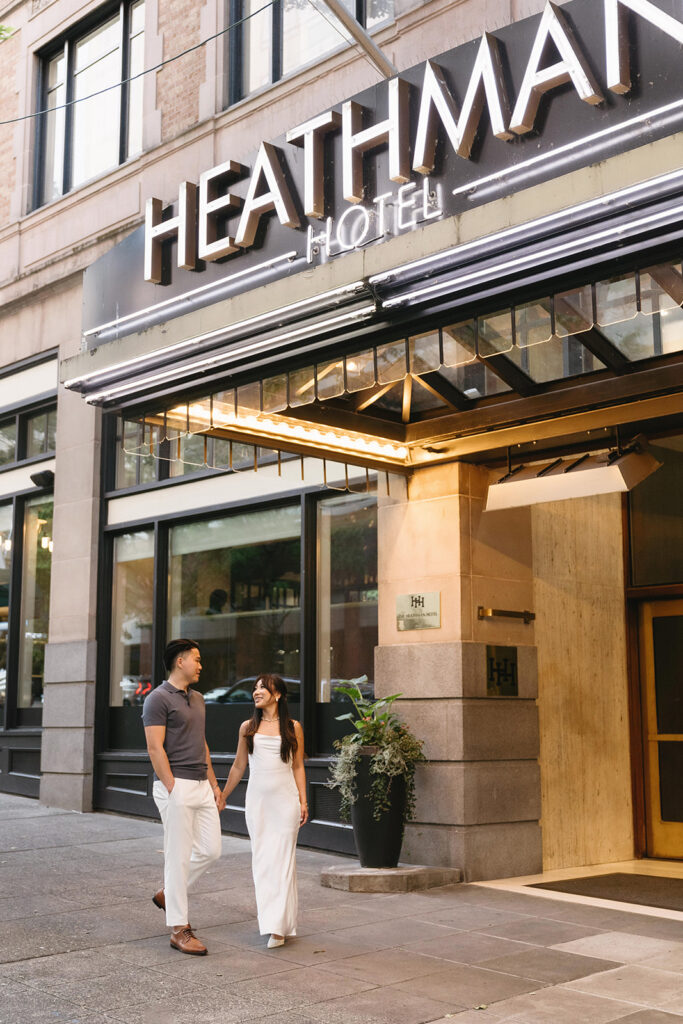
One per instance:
(374,772)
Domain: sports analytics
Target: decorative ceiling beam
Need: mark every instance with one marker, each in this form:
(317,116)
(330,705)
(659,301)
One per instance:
(443,389)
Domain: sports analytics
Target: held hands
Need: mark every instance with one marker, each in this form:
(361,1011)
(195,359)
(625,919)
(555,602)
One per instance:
(218,796)
(304,814)
(221,800)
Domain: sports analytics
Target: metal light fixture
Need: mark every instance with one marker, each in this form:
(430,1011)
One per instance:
(44,479)
(618,470)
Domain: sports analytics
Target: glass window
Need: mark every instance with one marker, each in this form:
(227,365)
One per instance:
(35,601)
(103,126)
(136,65)
(309,30)
(287,35)
(8,442)
(41,432)
(54,127)
(134,463)
(347,604)
(234,587)
(97,66)
(132,615)
(5,579)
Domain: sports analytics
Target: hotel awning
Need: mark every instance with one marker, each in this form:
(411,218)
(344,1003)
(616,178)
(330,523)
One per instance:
(419,398)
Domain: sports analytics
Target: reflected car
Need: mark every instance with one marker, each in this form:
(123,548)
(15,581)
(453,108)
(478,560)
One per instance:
(241,691)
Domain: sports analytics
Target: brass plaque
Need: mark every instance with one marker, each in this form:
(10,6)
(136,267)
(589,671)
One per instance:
(418,611)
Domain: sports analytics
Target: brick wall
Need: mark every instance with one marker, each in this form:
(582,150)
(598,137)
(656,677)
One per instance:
(178,83)
(10,51)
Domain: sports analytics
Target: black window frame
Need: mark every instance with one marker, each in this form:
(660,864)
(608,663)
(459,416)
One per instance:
(160,526)
(65,43)
(15,717)
(236,45)
(21,419)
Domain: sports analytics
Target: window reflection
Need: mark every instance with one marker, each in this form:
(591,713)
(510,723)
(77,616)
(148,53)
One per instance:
(234,587)
(41,431)
(132,614)
(97,66)
(309,30)
(8,442)
(35,601)
(347,603)
(5,578)
(106,116)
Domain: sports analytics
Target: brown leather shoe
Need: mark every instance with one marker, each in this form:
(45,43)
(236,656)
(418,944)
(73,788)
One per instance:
(185,941)
(159,899)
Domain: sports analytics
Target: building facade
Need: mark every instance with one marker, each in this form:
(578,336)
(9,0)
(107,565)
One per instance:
(351,365)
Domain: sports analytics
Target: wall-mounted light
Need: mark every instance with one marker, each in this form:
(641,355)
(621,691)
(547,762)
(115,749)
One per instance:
(44,478)
(609,472)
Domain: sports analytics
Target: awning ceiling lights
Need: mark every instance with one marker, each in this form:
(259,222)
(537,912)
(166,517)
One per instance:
(356,406)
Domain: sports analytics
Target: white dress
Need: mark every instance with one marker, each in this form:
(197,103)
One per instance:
(272,813)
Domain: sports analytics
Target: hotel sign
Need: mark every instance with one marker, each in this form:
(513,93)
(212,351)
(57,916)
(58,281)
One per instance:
(543,96)
(418,611)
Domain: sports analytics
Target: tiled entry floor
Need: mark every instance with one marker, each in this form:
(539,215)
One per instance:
(81,942)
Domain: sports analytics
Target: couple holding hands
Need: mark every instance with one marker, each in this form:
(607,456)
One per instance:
(189,797)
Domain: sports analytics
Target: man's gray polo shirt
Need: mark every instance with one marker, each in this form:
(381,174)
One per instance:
(184,715)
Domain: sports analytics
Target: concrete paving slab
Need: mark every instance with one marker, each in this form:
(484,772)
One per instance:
(560,1006)
(98,951)
(644,986)
(550,965)
(386,966)
(541,931)
(625,947)
(466,947)
(469,986)
(651,1017)
(380,1006)
(670,961)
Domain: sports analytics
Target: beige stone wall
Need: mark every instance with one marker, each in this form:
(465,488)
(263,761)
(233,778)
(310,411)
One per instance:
(478,796)
(9,55)
(583,693)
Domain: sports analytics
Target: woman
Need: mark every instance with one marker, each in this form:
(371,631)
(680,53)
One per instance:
(275,806)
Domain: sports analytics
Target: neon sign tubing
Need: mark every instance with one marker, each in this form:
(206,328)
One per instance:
(528,227)
(227,358)
(223,333)
(555,250)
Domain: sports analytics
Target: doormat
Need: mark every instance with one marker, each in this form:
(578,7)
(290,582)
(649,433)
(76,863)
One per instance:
(648,890)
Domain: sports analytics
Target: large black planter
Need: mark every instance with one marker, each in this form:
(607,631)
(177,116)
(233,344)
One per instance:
(378,842)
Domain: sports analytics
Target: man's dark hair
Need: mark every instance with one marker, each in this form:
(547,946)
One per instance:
(176,647)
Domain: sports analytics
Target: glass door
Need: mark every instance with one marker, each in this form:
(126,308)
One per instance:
(661,655)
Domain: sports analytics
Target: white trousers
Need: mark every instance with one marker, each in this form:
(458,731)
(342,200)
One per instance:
(192,840)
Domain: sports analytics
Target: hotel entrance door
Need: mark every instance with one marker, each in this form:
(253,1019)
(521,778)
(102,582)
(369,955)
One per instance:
(661,668)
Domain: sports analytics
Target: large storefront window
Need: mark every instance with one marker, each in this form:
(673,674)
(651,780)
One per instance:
(347,604)
(233,583)
(132,616)
(234,587)
(6,516)
(35,601)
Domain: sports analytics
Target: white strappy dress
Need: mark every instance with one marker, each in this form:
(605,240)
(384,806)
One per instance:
(272,814)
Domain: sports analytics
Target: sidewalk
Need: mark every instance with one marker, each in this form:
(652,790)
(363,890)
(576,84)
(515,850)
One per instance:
(81,941)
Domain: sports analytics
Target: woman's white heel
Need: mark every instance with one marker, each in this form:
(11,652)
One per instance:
(273,941)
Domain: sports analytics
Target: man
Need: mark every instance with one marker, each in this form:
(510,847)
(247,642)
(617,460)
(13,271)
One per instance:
(185,788)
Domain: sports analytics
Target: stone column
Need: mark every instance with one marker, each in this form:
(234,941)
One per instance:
(478,796)
(69,695)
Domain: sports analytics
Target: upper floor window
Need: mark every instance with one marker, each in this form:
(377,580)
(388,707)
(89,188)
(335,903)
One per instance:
(93,113)
(28,435)
(271,42)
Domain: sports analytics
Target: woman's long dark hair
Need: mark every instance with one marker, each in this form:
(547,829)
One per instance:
(288,740)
